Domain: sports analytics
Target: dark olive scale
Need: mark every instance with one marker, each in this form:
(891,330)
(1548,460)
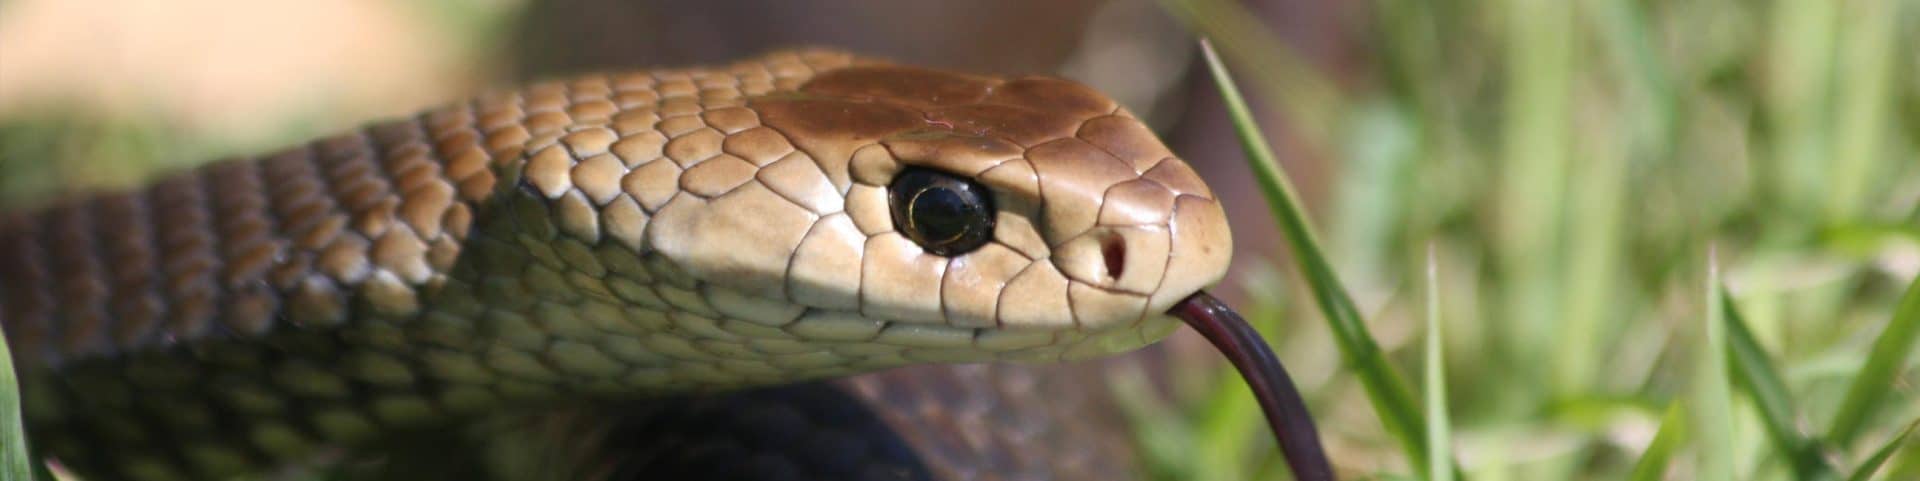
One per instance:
(945,214)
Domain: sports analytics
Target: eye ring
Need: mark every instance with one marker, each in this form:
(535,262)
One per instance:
(945,214)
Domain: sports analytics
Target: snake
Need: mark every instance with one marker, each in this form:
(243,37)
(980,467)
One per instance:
(674,252)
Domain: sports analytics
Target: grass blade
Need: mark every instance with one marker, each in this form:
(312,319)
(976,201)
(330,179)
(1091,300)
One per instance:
(1392,399)
(1712,398)
(1653,463)
(1872,464)
(15,463)
(1754,373)
(1888,357)
(1439,429)
(1531,183)
(1860,106)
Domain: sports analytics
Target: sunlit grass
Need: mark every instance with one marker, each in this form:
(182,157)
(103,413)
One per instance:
(1711,402)
(1874,384)
(1439,426)
(1658,457)
(15,462)
(1755,375)
(1392,399)
(1573,162)
(1872,464)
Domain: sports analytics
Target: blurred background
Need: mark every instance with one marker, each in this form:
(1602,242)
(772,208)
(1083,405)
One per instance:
(1571,165)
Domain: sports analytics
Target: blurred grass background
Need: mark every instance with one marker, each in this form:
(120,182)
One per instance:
(1569,164)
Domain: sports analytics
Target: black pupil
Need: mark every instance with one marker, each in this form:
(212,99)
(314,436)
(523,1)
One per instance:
(944,214)
(941,213)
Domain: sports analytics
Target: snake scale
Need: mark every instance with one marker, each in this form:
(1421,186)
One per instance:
(707,234)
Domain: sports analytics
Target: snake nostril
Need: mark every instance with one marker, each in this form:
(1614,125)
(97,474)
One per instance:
(1114,250)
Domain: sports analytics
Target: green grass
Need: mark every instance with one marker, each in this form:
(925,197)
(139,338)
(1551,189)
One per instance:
(1760,381)
(1658,457)
(1712,396)
(1439,425)
(1392,399)
(1876,379)
(15,461)
(1872,464)
(1567,166)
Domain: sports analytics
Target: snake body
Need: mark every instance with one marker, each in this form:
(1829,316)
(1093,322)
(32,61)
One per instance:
(625,236)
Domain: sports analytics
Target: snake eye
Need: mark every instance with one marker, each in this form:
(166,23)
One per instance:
(945,214)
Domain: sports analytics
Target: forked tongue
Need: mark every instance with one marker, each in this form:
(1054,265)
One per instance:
(1286,412)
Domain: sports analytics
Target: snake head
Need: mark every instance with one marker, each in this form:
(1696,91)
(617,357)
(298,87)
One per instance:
(1095,229)
(1054,224)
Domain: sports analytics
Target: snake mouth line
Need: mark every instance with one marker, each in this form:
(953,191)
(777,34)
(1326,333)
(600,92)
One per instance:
(1286,412)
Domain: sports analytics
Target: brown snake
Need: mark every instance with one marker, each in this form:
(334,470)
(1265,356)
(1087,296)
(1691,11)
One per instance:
(612,239)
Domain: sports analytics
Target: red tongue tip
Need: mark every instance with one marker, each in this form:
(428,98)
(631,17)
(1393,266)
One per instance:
(1286,412)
